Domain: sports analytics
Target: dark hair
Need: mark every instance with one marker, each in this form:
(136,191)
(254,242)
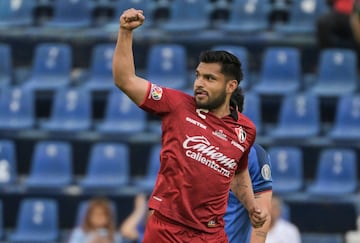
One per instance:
(231,66)
(237,99)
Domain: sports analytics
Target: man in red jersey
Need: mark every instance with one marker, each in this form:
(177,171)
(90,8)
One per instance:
(205,144)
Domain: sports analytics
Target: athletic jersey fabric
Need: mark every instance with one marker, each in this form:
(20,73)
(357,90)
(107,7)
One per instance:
(237,222)
(200,154)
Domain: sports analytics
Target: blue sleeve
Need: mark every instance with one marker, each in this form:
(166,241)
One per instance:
(77,236)
(260,169)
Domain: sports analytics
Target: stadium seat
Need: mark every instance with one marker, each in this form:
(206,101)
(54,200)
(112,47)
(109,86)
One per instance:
(322,238)
(246,16)
(16,13)
(187,16)
(52,64)
(347,119)
(8,163)
(287,169)
(242,53)
(280,72)
(37,221)
(51,166)
(336,173)
(167,66)
(1,220)
(6,66)
(17,109)
(303,15)
(71,111)
(337,73)
(100,73)
(147,183)
(299,118)
(121,116)
(108,168)
(71,14)
(252,109)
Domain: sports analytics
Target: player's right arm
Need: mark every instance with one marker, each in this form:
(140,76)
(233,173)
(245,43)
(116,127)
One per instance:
(258,235)
(123,66)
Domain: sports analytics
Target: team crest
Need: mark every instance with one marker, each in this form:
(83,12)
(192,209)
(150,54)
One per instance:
(240,132)
(266,172)
(156,92)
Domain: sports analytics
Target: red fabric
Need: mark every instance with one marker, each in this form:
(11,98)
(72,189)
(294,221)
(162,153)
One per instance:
(344,6)
(199,157)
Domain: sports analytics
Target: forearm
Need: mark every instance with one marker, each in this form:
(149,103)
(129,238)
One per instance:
(123,61)
(258,235)
(242,188)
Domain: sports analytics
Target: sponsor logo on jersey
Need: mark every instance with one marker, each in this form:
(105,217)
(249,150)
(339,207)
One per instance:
(156,92)
(196,123)
(220,134)
(240,132)
(200,113)
(237,145)
(211,224)
(266,172)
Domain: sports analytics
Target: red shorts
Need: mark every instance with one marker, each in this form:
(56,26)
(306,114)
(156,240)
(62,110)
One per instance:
(162,230)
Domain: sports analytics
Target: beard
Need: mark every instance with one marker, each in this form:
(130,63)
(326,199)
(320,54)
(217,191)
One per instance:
(212,102)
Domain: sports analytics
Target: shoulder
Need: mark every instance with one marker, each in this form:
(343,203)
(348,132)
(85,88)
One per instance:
(247,124)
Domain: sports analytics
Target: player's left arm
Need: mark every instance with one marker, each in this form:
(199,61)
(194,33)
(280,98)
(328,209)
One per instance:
(263,199)
(241,186)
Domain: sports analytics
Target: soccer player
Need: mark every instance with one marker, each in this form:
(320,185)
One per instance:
(237,223)
(205,144)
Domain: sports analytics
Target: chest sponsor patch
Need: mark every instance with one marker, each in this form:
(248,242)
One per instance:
(156,92)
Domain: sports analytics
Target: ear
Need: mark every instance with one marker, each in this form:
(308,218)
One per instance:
(232,85)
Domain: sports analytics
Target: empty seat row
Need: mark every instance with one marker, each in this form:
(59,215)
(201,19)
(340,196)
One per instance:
(181,15)
(108,168)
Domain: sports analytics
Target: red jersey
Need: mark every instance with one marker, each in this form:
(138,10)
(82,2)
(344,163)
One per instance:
(200,154)
(344,6)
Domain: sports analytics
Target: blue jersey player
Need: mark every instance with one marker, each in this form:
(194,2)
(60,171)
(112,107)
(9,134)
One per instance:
(237,223)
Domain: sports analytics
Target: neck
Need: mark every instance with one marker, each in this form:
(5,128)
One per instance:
(223,110)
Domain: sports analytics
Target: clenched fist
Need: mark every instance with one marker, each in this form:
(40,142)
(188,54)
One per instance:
(131,19)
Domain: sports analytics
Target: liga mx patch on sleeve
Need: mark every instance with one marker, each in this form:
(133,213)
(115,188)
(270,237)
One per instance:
(156,92)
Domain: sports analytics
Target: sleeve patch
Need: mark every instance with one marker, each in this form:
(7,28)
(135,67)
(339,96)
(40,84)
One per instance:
(266,172)
(156,92)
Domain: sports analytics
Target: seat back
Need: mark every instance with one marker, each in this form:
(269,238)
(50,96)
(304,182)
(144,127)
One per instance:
(72,10)
(51,159)
(71,105)
(306,12)
(281,64)
(153,164)
(108,160)
(6,67)
(337,66)
(144,5)
(167,65)
(1,220)
(336,165)
(188,10)
(242,54)
(252,109)
(17,106)
(248,12)
(287,163)
(348,111)
(8,162)
(101,60)
(300,110)
(37,217)
(18,12)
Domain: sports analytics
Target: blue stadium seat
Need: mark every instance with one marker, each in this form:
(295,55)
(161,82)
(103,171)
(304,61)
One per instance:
(6,66)
(303,15)
(336,173)
(100,72)
(37,221)
(8,163)
(71,14)
(71,111)
(337,73)
(280,72)
(167,65)
(187,16)
(52,64)
(147,183)
(16,13)
(322,238)
(1,220)
(246,16)
(242,53)
(122,5)
(347,119)
(287,169)
(17,109)
(299,117)
(108,167)
(51,166)
(252,109)
(122,115)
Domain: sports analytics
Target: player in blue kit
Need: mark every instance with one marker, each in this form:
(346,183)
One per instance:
(237,223)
